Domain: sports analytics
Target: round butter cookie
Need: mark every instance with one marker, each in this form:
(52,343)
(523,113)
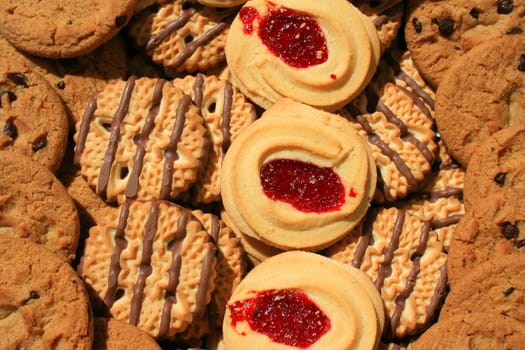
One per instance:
(495,286)
(405,260)
(62,29)
(395,115)
(297,178)
(482,93)
(439,31)
(496,166)
(492,228)
(112,334)
(152,264)
(476,330)
(44,304)
(226,112)
(32,116)
(181,35)
(293,49)
(302,300)
(35,205)
(140,139)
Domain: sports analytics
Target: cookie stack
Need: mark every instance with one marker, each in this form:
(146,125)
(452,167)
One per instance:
(204,173)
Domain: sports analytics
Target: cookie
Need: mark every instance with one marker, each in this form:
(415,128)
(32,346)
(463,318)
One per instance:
(151,264)
(35,205)
(496,165)
(112,334)
(62,29)
(395,115)
(221,3)
(495,286)
(32,116)
(481,94)
(491,229)
(226,112)
(306,177)
(438,32)
(141,139)
(303,63)
(475,330)
(303,300)
(44,302)
(182,36)
(405,260)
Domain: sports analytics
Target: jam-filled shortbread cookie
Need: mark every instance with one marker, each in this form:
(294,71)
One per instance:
(142,138)
(497,165)
(35,205)
(112,334)
(406,262)
(182,35)
(62,29)
(152,264)
(33,119)
(482,92)
(497,286)
(476,330)
(494,227)
(226,112)
(297,178)
(395,114)
(302,300)
(293,49)
(437,32)
(44,304)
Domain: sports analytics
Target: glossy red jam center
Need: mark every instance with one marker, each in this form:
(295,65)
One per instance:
(306,186)
(294,37)
(286,316)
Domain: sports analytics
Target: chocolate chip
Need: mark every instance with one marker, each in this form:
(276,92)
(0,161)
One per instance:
(120,21)
(69,21)
(33,295)
(40,143)
(19,79)
(474,12)
(509,230)
(514,30)
(500,178)
(418,27)
(61,85)
(10,96)
(445,25)
(505,6)
(520,244)
(10,129)
(521,65)
(508,291)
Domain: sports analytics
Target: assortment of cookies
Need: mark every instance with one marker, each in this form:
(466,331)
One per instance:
(225,174)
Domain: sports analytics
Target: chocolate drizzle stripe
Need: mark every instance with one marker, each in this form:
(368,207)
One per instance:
(142,139)
(170,154)
(175,247)
(226,115)
(84,128)
(198,87)
(366,238)
(215,228)
(385,15)
(109,156)
(145,268)
(402,297)
(202,288)
(439,294)
(444,222)
(120,244)
(385,268)
(445,193)
(179,22)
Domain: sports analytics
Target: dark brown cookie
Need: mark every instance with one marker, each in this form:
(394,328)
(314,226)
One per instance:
(439,31)
(482,92)
(112,334)
(62,29)
(496,166)
(43,302)
(35,205)
(33,119)
(496,286)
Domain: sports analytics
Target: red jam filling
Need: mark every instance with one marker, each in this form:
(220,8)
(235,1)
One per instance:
(286,316)
(294,37)
(305,186)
